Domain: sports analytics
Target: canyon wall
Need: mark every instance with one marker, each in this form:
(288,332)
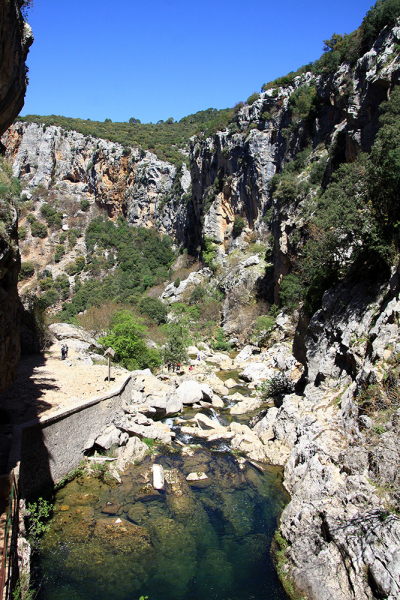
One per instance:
(16,38)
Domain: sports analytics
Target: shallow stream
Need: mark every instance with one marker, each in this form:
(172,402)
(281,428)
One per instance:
(207,539)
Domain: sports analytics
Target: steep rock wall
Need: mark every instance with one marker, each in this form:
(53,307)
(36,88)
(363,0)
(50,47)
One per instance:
(120,181)
(16,38)
(231,171)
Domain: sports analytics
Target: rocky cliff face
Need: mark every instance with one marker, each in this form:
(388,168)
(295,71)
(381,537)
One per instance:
(120,181)
(16,38)
(231,171)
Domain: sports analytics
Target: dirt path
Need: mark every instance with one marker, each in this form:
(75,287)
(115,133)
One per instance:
(46,384)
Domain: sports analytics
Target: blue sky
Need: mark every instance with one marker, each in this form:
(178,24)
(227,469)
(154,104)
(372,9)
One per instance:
(155,59)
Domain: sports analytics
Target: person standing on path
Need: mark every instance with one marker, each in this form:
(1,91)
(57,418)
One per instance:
(62,352)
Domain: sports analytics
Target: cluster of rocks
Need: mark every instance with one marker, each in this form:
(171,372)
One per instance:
(77,339)
(341,525)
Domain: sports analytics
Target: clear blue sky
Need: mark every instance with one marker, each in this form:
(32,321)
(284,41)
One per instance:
(155,59)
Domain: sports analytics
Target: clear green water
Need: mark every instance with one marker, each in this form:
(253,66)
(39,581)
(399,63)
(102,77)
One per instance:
(206,540)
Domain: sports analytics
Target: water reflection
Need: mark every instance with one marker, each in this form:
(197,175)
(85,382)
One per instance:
(202,539)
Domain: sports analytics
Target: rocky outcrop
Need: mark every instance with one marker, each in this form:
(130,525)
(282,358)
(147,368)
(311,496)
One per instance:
(118,180)
(341,527)
(16,38)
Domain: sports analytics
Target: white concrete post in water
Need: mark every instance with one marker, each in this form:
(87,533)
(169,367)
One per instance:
(158,477)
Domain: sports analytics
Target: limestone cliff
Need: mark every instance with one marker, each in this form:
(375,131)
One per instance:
(16,38)
(129,182)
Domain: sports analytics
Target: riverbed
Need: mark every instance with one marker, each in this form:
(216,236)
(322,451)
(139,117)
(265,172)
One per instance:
(209,538)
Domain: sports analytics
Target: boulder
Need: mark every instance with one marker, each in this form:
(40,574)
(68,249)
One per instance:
(193,350)
(264,428)
(230,383)
(133,451)
(197,476)
(158,477)
(245,406)
(217,402)
(190,392)
(64,331)
(207,392)
(219,359)
(173,404)
(109,437)
(246,353)
(256,371)
(207,422)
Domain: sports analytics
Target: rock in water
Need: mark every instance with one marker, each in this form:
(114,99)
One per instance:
(158,477)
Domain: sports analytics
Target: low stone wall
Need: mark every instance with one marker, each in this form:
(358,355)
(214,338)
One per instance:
(48,448)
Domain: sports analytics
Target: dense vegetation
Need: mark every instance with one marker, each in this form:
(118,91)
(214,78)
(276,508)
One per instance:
(10,190)
(122,263)
(162,138)
(356,221)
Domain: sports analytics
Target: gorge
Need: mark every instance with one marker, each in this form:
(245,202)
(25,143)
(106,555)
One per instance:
(270,249)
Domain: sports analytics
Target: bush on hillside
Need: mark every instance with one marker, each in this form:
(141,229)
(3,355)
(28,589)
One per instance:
(238,225)
(38,229)
(154,309)
(126,338)
(27,270)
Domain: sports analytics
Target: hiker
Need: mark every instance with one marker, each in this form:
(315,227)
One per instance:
(62,353)
(178,367)
(191,368)
(198,357)
(66,350)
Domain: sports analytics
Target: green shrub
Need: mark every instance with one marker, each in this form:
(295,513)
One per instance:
(154,309)
(49,298)
(77,266)
(38,514)
(251,99)
(220,342)
(126,337)
(38,229)
(238,225)
(175,348)
(317,171)
(22,233)
(27,270)
(85,205)
(276,387)
(177,282)
(291,291)
(45,284)
(197,295)
(53,218)
(209,253)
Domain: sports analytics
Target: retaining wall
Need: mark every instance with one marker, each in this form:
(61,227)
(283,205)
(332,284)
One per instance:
(48,448)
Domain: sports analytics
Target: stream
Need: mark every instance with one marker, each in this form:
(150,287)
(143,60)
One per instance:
(208,538)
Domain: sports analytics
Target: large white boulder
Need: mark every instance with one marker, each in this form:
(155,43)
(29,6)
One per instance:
(245,354)
(256,371)
(190,392)
(109,437)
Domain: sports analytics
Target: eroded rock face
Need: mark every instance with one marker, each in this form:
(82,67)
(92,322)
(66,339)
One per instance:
(16,38)
(343,539)
(127,182)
